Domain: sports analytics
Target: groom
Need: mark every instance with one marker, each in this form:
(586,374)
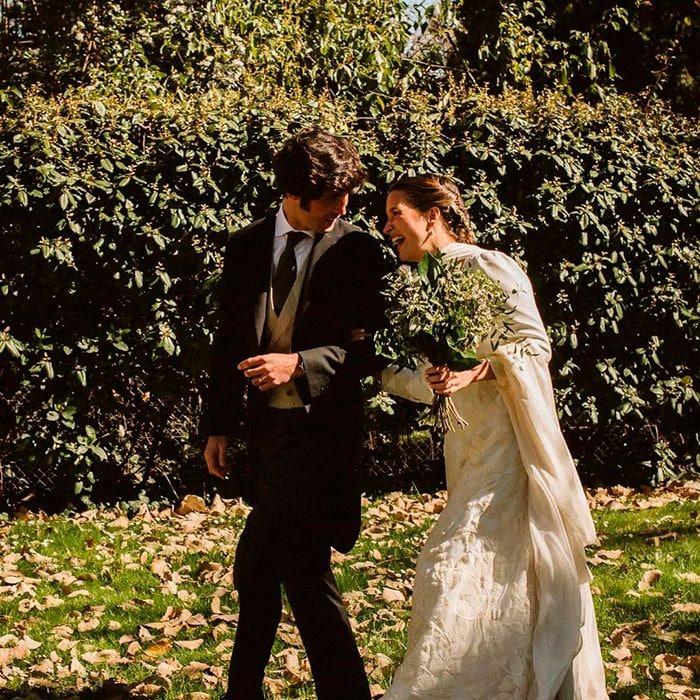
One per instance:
(294,284)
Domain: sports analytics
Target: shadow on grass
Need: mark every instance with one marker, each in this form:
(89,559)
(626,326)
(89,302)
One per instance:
(648,536)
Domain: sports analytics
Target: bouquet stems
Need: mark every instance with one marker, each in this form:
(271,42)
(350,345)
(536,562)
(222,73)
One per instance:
(445,415)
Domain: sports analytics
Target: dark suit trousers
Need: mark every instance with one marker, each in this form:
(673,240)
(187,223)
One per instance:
(284,544)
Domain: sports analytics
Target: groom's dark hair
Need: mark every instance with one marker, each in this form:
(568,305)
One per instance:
(315,163)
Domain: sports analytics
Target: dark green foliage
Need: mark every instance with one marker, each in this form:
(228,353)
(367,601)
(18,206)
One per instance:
(117,222)
(117,195)
(579,46)
(174,45)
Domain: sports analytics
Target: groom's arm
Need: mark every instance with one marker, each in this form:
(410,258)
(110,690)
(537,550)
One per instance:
(362,306)
(320,365)
(368,312)
(312,369)
(224,405)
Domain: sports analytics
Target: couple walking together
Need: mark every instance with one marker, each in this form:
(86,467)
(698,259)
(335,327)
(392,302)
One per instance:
(502,609)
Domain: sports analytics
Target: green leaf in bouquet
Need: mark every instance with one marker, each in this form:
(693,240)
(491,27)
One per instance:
(465,360)
(385,345)
(430,268)
(424,344)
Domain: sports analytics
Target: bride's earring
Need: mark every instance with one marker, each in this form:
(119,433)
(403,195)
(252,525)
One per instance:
(429,228)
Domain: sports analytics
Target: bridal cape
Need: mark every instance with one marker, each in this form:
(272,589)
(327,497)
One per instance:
(502,608)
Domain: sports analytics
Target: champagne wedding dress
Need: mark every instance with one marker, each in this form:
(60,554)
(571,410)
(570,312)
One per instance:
(502,607)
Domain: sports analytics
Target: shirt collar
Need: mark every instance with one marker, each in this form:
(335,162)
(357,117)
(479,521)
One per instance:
(283,227)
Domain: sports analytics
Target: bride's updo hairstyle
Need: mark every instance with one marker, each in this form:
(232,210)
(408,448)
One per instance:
(426,191)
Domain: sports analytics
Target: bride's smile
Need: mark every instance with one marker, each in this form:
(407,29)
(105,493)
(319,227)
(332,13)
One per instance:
(396,241)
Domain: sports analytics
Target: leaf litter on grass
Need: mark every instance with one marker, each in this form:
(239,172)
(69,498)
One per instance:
(74,627)
(652,568)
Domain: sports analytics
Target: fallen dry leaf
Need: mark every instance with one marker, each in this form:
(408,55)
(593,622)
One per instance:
(160,568)
(604,556)
(159,648)
(621,653)
(391,595)
(665,661)
(692,608)
(150,690)
(275,687)
(649,578)
(624,677)
(190,644)
(88,625)
(296,669)
(122,522)
(628,631)
(379,666)
(11,654)
(192,504)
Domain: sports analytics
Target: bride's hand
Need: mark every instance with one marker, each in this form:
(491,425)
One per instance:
(445,382)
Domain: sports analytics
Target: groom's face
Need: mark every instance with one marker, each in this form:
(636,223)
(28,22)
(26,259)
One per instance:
(317,215)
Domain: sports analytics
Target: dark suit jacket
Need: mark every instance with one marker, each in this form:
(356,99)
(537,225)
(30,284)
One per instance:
(341,292)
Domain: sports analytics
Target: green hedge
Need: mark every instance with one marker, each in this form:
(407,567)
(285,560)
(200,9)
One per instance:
(115,212)
(114,219)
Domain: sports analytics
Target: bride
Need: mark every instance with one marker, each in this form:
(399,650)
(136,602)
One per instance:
(502,607)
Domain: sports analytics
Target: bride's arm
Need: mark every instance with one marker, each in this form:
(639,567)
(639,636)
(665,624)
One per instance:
(408,383)
(421,385)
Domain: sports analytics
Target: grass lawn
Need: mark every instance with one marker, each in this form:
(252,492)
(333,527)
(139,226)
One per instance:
(116,604)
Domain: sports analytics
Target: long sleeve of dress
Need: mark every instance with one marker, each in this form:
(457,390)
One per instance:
(407,383)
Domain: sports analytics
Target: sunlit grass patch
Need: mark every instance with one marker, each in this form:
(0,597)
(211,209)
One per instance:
(144,601)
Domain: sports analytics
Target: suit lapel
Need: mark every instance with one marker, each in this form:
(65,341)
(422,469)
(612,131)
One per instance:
(261,258)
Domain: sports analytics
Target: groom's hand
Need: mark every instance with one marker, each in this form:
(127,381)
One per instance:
(215,456)
(271,370)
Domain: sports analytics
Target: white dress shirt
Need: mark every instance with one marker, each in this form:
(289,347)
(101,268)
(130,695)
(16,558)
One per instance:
(302,250)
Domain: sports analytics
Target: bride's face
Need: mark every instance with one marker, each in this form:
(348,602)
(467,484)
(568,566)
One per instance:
(408,228)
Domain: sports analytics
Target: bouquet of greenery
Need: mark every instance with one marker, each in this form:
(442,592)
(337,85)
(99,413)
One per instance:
(440,311)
